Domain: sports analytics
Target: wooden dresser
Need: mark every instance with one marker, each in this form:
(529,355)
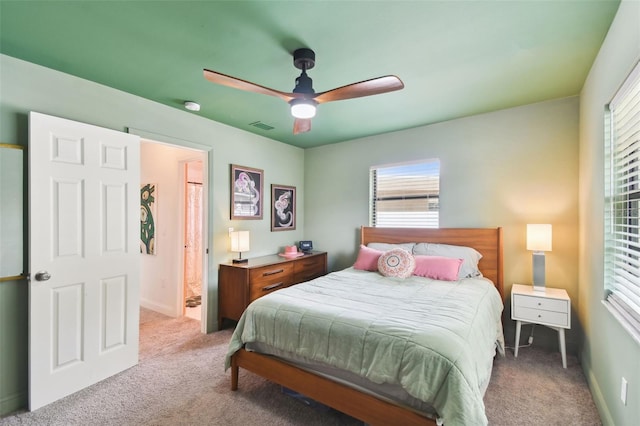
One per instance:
(241,283)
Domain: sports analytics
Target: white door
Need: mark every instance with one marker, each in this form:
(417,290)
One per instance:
(83,255)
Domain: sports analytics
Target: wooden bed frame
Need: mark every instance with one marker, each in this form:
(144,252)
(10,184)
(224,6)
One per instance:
(365,407)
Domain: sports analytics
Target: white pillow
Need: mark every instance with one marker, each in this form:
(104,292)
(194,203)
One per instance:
(470,256)
(387,246)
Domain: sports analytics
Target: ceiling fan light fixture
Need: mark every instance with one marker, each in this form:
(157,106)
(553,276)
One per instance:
(303,108)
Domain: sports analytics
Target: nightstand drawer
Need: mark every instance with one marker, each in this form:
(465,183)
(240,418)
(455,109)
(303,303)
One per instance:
(558,319)
(541,303)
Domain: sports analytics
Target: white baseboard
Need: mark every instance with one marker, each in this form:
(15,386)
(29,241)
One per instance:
(163,309)
(598,398)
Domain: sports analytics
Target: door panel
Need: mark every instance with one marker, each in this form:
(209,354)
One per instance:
(114,202)
(67,336)
(114,318)
(67,218)
(83,255)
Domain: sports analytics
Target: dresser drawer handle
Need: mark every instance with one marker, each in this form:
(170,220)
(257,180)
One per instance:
(272,286)
(266,274)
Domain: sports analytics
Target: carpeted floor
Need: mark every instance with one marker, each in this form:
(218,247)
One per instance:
(534,389)
(180,380)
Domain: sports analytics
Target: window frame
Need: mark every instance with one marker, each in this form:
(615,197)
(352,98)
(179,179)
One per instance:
(622,205)
(428,190)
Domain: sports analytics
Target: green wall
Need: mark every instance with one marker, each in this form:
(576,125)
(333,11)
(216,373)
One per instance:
(609,352)
(27,87)
(13,345)
(506,168)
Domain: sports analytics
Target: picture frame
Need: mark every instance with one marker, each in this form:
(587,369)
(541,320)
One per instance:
(283,207)
(148,218)
(246,192)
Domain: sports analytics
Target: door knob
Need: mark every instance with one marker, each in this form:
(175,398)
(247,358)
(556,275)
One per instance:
(42,276)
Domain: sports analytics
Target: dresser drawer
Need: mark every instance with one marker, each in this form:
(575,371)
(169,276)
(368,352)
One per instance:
(540,303)
(539,316)
(306,269)
(269,278)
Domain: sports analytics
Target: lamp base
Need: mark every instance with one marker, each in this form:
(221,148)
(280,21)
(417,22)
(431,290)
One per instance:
(240,260)
(539,289)
(538,270)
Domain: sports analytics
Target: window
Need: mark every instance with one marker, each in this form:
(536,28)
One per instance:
(622,203)
(405,195)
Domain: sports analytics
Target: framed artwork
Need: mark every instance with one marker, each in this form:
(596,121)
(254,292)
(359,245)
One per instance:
(246,192)
(148,218)
(283,207)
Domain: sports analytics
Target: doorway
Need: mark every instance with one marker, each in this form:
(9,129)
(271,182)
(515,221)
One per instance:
(180,210)
(193,215)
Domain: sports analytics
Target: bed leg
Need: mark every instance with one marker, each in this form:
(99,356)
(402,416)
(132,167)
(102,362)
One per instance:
(234,374)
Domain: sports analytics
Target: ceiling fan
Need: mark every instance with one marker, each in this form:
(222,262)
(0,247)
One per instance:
(304,99)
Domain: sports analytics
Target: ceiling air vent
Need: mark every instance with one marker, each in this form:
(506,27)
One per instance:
(261,125)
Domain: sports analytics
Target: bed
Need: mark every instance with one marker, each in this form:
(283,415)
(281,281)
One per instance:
(408,378)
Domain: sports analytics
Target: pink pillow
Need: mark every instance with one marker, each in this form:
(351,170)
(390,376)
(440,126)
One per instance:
(437,267)
(367,259)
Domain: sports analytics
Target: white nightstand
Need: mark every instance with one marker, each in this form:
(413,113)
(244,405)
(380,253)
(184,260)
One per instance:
(551,308)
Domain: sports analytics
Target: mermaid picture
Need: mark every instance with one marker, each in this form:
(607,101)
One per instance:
(283,211)
(147,219)
(246,189)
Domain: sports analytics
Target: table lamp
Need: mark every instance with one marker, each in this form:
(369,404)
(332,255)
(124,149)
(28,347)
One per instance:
(239,243)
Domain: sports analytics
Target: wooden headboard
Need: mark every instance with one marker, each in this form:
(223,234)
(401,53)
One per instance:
(488,241)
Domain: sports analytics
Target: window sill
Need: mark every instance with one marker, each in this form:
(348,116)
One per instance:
(623,322)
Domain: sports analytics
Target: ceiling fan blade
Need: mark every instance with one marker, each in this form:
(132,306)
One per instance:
(237,83)
(301,125)
(375,86)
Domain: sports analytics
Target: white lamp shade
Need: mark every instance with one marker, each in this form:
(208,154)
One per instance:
(239,241)
(539,237)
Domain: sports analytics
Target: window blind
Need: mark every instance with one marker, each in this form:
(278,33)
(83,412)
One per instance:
(622,201)
(405,195)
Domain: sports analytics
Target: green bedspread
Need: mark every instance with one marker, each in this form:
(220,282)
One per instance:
(434,338)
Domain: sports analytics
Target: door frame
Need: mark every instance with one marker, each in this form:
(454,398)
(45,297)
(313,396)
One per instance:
(182,221)
(206,323)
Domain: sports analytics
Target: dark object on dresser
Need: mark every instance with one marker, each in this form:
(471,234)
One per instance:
(306,246)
